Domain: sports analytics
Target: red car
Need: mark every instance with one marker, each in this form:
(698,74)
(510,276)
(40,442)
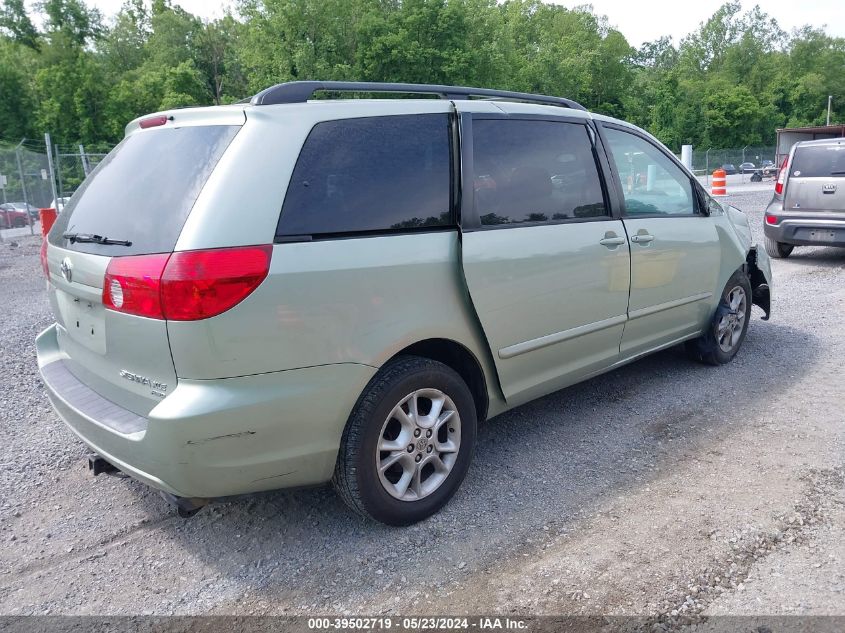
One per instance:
(10,217)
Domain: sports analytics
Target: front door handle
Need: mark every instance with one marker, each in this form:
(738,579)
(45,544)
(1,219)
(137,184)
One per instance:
(642,238)
(611,240)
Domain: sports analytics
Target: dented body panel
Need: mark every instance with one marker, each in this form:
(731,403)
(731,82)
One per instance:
(212,438)
(740,251)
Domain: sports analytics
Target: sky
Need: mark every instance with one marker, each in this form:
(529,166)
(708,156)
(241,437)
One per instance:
(647,20)
(638,20)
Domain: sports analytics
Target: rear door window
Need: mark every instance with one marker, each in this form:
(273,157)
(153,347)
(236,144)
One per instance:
(144,190)
(819,162)
(534,171)
(371,174)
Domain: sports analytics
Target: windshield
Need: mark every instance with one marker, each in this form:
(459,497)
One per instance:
(143,191)
(819,161)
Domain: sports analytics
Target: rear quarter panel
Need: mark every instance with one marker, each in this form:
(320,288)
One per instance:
(338,301)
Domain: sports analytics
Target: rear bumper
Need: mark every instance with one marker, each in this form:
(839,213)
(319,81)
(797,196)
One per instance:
(214,438)
(807,229)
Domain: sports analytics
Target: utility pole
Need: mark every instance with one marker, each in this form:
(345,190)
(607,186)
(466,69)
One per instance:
(829,99)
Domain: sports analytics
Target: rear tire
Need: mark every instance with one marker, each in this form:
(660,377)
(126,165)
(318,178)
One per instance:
(778,250)
(727,329)
(400,460)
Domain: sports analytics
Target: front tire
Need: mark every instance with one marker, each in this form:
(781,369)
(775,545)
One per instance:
(726,332)
(408,443)
(778,250)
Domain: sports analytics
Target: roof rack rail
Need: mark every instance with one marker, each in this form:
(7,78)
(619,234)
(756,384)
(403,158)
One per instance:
(302,91)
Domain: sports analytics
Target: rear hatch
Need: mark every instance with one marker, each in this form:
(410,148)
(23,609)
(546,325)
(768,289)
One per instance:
(817,178)
(134,204)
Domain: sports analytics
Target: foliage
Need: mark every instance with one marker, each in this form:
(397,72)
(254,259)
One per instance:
(729,83)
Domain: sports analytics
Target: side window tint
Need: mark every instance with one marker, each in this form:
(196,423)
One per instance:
(651,182)
(370,174)
(534,171)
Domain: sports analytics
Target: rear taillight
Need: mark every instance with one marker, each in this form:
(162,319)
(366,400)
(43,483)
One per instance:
(185,286)
(133,285)
(44,265)
(202,284)
(781,177)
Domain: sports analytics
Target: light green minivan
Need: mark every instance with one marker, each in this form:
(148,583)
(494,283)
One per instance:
(291,291)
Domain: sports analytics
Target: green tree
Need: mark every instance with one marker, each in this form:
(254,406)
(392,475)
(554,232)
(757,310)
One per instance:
(15,22)
(218,62)
(71,21)
(731,82)
(123,46)
(17,102)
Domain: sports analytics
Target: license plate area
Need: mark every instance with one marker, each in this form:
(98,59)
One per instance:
(821,235)
(83,320)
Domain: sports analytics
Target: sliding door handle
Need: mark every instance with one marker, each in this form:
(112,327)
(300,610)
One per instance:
(612,240)
(642,238)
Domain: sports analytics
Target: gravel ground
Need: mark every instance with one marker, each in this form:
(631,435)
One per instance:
(664,489)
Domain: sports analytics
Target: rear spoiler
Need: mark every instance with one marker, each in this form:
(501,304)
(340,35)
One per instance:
(215,115)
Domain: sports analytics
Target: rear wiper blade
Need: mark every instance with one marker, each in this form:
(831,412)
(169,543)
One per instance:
(95,239)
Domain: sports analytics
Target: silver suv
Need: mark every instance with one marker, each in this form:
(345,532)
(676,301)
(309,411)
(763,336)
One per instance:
(808,208)
(292,291)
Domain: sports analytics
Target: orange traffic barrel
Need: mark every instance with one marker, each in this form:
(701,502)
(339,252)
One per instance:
(720,183)
(48,216)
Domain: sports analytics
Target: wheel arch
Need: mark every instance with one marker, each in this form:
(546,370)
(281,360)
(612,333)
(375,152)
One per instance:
(459,358)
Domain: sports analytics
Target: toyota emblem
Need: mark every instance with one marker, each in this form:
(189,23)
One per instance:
(67,269)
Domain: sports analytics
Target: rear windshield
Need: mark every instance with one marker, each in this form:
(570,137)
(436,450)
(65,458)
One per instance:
(819,162)
(143,190)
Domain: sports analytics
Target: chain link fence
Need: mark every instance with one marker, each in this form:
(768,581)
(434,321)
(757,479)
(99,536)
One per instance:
(25,181)
(37,175)
(73,163)
(706,161)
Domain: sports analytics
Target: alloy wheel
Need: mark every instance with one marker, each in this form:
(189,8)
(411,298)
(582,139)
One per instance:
(418,445)
(730,326)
